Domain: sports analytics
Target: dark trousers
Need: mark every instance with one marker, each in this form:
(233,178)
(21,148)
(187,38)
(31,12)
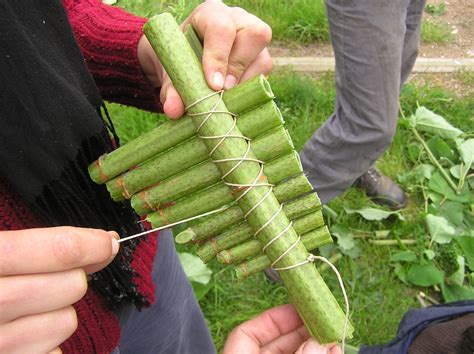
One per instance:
(375,46)
(175,323)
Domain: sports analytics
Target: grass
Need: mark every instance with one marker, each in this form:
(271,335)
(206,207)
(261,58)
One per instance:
(435,31)
(378,298)
(304,23)
(294,22)
(301,21)
(436,10)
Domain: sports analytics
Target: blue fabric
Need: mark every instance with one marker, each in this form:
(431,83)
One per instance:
(416,321)
(174,323)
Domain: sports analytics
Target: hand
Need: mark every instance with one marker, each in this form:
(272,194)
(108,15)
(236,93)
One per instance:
(234,51)
(278,330)
(42,273)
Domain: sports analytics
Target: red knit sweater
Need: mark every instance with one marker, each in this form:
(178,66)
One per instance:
(108,38)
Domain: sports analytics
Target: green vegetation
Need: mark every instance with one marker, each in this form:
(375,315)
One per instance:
(435,31)
(297,21)
(436,10)
(369,269)
(301,21)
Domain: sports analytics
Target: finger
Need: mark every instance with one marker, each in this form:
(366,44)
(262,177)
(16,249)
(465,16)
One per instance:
(40,333)
(173,105)
(263,329)
(311,346)
(22,295)
(335,349)
(287,343)
(35,251)
(253,35)
(217,28)
(261,65)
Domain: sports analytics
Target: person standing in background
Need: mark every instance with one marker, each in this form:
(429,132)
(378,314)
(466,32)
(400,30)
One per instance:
(375,46)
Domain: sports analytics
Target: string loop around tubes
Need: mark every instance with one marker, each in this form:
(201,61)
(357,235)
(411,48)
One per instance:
(311,258)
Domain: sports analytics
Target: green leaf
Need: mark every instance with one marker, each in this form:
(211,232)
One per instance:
(466,150)
(200,290)
(429,254)
(403,256)
(414,151)
(455,171)
(428,121)
(345,240)
(439,185)
(435,197)
(425,274)
(423,171)
(456,292)
(401,271)
(195,269)
(467,246)
(440,148)
(373,213)
(451,211)
(439,229)
(458,276)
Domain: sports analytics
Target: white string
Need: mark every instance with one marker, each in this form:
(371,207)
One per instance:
(277,236)
(173,224)
(248,187)
(240,160)
(310,259)
(286,252)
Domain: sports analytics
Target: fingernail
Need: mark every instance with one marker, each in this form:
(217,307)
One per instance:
(115,245)
(218,79)
(230,81)
(114,234)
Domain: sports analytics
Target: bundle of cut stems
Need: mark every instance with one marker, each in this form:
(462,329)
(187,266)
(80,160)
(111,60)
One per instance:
(254,247)
(169,134)
(185,155)
(312,298)
(218,195)
(206,174)
(217,223)
(243,232)
(311,240)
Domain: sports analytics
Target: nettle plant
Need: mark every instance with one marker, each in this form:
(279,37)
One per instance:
(442,157)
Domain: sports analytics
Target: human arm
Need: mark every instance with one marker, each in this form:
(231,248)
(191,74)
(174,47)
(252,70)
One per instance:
(127,70)
(42,273)
(108,38)
(278,330)
(234,50)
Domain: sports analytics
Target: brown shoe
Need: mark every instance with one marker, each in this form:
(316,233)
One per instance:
(272,275)
(382,190)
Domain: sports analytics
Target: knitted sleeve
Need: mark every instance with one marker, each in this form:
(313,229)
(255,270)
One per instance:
(108,38)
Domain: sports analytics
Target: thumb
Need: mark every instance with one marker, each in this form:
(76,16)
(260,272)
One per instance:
(313,347)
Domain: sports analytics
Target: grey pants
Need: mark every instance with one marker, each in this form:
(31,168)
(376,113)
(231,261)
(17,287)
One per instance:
(375,46)
(174,323)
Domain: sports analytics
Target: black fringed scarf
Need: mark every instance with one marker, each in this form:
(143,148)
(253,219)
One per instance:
(52,128)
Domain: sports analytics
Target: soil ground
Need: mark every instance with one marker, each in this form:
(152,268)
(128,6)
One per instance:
(459,15)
